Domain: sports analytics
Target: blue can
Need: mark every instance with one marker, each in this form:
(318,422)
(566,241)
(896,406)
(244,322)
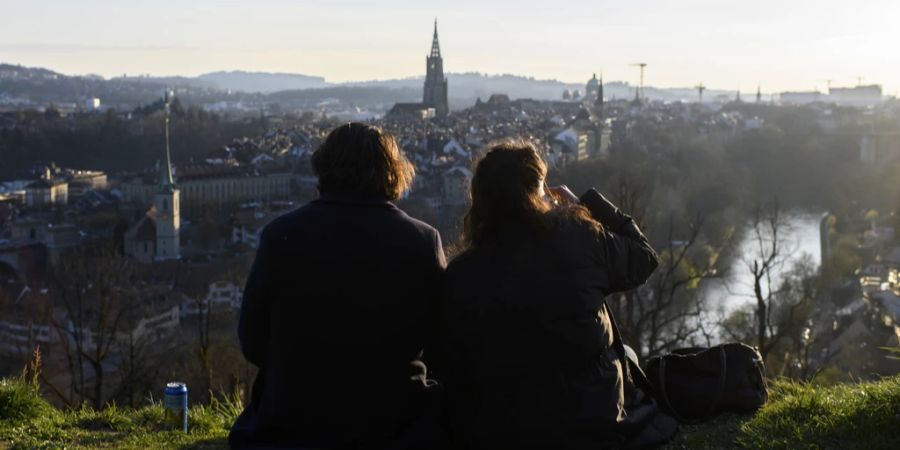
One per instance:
(176,403)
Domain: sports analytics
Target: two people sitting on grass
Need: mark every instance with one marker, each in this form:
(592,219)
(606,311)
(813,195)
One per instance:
(349,300)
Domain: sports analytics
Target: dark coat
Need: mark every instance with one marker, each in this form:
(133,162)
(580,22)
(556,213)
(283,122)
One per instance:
(527,351)
(336,307)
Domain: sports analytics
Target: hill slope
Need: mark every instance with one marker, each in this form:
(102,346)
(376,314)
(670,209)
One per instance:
(799,416)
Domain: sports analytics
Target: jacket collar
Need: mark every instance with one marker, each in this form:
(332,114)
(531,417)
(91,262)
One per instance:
(354,199)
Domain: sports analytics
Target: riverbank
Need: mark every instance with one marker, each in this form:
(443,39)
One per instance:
(798,416)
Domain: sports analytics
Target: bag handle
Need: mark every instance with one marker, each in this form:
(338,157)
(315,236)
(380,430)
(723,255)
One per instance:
(723,361)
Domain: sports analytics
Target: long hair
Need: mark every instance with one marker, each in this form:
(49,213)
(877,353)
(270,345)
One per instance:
(363,160)
(506,193)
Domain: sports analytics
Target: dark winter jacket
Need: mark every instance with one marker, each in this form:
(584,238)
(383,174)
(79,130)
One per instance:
(527,352)
(336,308)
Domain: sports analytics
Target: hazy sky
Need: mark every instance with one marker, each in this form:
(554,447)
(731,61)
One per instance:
(783,44)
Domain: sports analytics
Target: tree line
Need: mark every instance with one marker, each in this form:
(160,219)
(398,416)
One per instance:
(113,141)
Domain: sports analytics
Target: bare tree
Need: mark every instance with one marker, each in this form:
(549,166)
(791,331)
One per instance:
(766,258)
(630,196)
(139,362)
(204,313)
(781,318)
(668,312)
(93,287)
(131,369)
(801,328)
(208,319)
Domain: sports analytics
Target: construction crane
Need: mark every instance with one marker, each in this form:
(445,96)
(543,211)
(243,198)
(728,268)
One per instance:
(700,88)
(640,92)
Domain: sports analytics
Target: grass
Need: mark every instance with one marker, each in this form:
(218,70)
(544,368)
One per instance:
(18,401)
(799,416)
(805,416)
(29,422)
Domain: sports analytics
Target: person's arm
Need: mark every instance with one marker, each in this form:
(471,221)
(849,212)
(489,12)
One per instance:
(629,258)
(435,299)
(253,325)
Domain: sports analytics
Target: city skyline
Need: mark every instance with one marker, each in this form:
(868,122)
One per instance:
(781,47)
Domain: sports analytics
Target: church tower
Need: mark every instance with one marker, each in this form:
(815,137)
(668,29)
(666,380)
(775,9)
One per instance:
(599,101)
(435,84)
(166,201)
(590,89)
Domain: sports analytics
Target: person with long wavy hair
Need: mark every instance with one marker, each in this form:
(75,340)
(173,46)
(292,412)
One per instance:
(335,333)
(528,352)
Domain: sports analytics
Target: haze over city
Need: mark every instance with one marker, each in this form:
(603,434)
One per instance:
(783,46)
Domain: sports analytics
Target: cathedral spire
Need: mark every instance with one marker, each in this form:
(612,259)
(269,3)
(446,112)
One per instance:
(435,92)
(166,178)
(435,46)
(599,100)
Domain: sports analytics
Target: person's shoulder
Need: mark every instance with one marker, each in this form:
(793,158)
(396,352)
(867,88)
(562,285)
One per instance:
(576,221)
(417,225)
(422,226)
(289,220)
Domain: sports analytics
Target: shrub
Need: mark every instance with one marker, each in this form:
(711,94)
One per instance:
(21,401)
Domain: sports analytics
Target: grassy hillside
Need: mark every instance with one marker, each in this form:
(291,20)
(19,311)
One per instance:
(29,422)
(799,416)
(803,416)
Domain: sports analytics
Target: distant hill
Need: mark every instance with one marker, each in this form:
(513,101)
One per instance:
(378,98)
(19,71)
(465,88)
(30,87)
(43,86)
(238,81)
(263,82)
(38,86)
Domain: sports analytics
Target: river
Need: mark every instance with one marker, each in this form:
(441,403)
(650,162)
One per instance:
(735,289)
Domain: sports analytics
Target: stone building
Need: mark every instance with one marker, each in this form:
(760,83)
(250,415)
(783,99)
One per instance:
(455,186)
(208,188)
(47,191)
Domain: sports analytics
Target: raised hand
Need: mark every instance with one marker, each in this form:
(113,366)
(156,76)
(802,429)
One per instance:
(562,195)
